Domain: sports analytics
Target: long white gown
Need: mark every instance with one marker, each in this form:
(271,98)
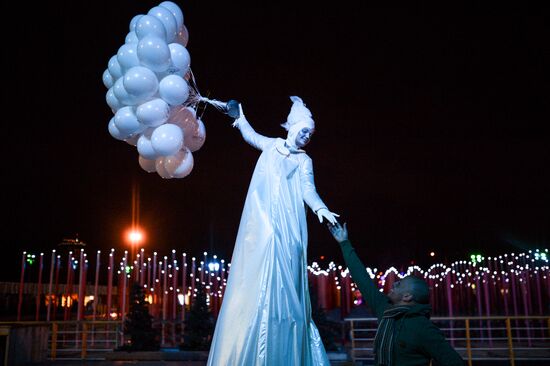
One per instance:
(265,318)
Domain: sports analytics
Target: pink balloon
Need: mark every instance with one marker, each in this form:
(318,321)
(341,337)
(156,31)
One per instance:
(195,141)
(184,117)
(180,164)
(183,36)
(147,164)
(132,140)
(161,170)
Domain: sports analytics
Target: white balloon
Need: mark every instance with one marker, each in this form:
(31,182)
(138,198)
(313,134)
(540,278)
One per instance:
(161,170)
(153,113)
(140,82)
(114,131)
(114,67)
(134,21)
(121,94)
(180,164)
(167,139)
(149,25)
(154,53)
(113,101)
(176,11)
(181,60)
(168,20)
(131,37)
(127,56)
(174,89)
(127,122)
(108,80)
(145,147)
(148,165)
(196,141)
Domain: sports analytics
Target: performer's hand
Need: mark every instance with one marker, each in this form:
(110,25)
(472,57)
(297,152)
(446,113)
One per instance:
(330,216)
(338,232)
(242,117)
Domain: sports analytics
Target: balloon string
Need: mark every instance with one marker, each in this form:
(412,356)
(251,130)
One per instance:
(196,97)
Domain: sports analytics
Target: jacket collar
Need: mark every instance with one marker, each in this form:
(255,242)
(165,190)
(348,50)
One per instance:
(285,150)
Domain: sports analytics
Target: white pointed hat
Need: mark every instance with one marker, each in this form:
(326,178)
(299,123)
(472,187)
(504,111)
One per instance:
(298,113)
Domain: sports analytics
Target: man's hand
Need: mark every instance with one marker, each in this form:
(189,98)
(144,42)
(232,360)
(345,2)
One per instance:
(338,232)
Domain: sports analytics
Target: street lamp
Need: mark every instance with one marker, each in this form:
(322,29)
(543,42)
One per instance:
(134,236)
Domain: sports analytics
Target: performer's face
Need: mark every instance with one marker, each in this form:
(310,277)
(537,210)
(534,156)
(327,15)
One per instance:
(304,136)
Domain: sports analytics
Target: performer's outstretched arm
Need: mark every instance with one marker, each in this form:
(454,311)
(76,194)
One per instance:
(310,193)
(252,137)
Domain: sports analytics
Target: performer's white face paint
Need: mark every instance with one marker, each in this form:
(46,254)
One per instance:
(300,134)
(304,137)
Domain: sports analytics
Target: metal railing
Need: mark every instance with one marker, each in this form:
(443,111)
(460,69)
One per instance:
(474,338)
(92,339)
(83,340)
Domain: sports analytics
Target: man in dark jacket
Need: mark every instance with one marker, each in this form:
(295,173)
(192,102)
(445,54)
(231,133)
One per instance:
(405,336)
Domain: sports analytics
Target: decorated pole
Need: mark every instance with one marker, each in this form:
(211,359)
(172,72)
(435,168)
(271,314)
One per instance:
(449,299)
(110,283)
(486,281)
(57,268)
(68,288)
(175,273)
(21,285)
(164,300)
(201,269)
(124,283)
(154,287)
(141,270)
(183,285)
(148,284)
(193,280)
(174,289)
(50,284)
(154,279)
(39,287)
(204,266)
(81,287)
(96,283)
(164,289)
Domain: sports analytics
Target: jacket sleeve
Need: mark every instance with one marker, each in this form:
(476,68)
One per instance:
(308,186)
(376,300)
(258,141)
(439,349)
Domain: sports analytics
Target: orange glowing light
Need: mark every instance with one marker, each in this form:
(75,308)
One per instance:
(135,236)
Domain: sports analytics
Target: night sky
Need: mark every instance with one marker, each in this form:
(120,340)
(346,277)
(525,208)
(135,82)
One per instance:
(431,127)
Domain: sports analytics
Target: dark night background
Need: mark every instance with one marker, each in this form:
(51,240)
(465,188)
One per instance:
(432,127)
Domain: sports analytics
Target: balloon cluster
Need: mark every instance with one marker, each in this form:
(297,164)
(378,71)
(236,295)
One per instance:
(151,93)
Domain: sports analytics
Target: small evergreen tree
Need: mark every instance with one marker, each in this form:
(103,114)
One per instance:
(199,326)
(139,323)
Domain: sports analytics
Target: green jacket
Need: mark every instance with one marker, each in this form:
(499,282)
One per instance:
(417,339)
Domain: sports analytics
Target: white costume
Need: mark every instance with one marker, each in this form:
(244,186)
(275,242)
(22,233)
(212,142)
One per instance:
(265,318)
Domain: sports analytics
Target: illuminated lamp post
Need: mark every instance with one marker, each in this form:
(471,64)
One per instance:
(134,237)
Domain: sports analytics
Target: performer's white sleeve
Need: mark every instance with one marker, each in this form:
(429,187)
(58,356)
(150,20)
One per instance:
(308,186)
(260,142)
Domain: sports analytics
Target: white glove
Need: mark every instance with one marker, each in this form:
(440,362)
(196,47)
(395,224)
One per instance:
(330,216)
(241,116)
